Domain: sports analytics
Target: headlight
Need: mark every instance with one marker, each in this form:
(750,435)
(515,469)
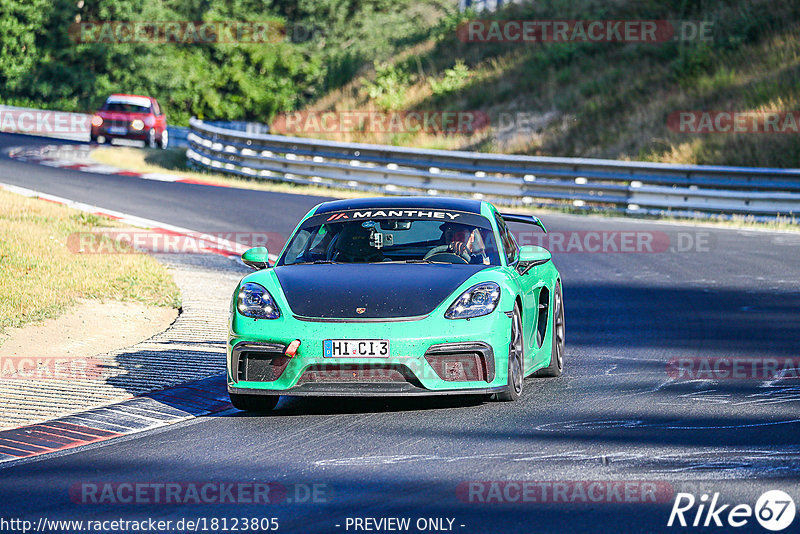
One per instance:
(256,302)
(476,301)
(97,120)
(137,124)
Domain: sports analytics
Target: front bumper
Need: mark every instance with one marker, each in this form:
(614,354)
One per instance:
(428,356)
(137,135)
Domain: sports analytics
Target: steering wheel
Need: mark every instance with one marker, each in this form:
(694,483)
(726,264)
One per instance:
(447,254)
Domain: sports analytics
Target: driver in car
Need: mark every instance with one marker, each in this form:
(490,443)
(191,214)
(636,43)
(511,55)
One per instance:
(464,240)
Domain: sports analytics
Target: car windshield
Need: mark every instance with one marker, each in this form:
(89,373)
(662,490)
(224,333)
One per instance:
(380,240)
(125,108)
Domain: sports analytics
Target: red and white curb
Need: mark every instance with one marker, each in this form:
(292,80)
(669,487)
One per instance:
(78,158)
(139,414)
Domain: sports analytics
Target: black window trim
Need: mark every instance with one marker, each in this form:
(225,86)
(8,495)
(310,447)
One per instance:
(505,231)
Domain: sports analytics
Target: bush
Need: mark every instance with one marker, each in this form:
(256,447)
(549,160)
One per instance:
(388,89)
(453,79)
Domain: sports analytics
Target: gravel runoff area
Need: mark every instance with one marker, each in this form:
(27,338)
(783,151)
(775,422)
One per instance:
(192,347)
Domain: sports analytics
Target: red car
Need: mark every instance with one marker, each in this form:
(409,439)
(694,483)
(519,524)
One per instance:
(131,117)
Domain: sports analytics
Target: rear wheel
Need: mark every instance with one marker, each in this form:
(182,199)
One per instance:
(557,350)
(254,403)
(516,360)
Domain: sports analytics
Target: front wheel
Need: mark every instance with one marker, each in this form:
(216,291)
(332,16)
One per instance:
(557,350)
(254,403)
(164,142)
(516,360)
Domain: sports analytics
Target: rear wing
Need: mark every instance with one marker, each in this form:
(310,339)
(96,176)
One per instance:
(525,219)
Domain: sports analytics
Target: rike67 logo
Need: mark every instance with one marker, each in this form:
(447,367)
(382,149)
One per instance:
(774,511)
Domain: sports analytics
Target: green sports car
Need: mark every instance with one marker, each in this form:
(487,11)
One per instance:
(396,296)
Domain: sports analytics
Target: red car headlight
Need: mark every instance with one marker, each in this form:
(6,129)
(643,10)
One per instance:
(97,120)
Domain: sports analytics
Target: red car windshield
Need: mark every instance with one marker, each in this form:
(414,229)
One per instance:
(125,108)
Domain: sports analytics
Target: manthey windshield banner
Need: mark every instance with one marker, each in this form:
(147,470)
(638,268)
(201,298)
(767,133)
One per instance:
(398,214)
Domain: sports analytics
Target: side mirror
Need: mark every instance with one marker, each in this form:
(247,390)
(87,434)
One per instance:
(257,258)
(531,256)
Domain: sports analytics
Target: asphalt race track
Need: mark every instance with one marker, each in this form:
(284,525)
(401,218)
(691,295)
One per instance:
(620,415)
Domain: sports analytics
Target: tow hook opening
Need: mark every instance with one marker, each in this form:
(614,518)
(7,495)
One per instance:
(291,350)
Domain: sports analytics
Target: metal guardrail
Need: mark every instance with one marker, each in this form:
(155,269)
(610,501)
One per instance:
(627,186)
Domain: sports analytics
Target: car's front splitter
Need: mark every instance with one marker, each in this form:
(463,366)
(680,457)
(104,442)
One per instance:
(363,390)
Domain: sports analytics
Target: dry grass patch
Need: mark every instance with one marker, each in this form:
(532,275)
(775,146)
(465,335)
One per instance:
(42,277)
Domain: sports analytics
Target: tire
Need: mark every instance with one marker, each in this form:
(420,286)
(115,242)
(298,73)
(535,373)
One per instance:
(151,138)
(557,350)
(164,141)
(254,403)
(516,360)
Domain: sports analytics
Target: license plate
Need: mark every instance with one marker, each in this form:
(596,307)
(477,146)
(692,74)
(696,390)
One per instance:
(355,348)
(117,130)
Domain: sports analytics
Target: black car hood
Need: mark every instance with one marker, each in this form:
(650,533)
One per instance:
(383,290)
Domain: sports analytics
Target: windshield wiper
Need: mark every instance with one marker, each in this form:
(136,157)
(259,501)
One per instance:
(315,262)
(422,261)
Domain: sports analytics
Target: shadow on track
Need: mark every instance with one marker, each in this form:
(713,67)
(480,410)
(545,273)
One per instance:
(293,406)
(751,323)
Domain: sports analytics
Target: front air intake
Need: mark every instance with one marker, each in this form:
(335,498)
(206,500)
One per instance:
(259,362)
(462,362)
